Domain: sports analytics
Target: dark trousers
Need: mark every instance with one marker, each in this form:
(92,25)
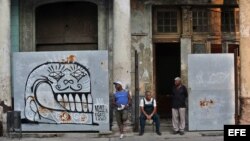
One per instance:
(155,119)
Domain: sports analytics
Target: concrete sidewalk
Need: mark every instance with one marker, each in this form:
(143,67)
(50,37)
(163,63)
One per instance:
(148,136)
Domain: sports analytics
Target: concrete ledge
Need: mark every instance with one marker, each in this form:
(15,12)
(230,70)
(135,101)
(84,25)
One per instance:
(212,133)
(105,132)
(38,135)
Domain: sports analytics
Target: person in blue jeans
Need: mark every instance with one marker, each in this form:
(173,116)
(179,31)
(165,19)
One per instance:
(148,112)
(121,102)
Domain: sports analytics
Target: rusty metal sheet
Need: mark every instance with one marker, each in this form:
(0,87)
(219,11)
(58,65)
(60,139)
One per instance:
(211,102)
(62,91)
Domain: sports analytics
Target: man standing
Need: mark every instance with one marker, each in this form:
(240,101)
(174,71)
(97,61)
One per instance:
(179,106)
(148,112)
(121,101)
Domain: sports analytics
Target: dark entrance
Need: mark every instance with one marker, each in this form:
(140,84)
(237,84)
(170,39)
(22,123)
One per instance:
(167,67)
(67,26)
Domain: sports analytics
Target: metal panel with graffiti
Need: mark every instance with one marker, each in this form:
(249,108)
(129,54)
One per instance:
(62,91)
(211,99)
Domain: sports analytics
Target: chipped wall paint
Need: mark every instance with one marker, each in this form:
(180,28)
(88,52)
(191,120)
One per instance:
(5,87)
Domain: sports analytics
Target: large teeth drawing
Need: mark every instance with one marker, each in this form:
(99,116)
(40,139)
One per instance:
(66,102)
(78,103)
(60,99)
(84,103)
(90,103)
(75,102)
(71,103)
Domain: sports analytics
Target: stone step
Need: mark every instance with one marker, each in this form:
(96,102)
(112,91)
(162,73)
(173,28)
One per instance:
(165,125)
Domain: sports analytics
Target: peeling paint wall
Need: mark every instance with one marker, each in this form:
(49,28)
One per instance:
(5,49)
(141,30)
(245,61)
(142,43)
(195,2)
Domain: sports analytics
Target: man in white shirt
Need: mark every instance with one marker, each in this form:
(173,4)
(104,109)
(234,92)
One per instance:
(148,112)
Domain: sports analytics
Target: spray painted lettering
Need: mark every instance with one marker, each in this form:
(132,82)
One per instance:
(101,111)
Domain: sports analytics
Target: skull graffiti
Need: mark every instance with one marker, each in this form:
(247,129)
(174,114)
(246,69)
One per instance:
(56,89)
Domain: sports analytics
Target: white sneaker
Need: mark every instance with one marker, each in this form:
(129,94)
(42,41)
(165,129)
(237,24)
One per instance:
(121,136)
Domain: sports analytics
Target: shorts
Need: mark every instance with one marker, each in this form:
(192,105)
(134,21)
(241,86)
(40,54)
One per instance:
(121,116)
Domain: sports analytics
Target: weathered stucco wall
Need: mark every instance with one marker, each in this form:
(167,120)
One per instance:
(5,49)
(245,61)
(141,29)
(194,2)
(142,43)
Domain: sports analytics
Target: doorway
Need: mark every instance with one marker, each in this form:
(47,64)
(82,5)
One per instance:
(167,67)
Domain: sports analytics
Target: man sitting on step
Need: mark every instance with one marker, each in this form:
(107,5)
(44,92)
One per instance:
(148,112)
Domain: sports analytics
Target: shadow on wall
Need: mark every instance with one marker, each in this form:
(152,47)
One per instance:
(4,109)
(1,128)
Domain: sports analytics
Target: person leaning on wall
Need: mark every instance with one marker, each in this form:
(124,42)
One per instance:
(121,102)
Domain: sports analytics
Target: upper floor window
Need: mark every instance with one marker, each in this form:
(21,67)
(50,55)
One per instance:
(198,48)
(233,47)
(200,20)
(229,20)
(216,48)
(166,21)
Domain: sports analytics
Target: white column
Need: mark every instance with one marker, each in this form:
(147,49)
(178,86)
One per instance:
(122,42)
(245,61)
(5,49)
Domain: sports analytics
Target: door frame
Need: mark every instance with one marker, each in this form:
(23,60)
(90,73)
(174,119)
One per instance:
(155,91)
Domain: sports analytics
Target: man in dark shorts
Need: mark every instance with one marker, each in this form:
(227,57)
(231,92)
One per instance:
(121,101)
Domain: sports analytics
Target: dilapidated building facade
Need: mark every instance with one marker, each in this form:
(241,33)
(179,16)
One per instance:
(162,33)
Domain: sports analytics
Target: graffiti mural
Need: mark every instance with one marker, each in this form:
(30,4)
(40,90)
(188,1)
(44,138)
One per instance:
(67,95)
(61,93)
(100,111)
